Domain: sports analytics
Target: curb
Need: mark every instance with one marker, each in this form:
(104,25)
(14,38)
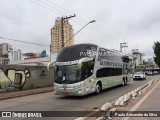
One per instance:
(26,93)
(121,101)
(124,100)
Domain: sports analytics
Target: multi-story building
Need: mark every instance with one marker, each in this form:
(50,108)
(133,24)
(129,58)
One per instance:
(137,57)
(4,61)
(4,48)
(33,59)
(15,54)
(56,35)
(7,53)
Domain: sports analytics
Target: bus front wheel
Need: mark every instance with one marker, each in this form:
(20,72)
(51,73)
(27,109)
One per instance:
(98,88)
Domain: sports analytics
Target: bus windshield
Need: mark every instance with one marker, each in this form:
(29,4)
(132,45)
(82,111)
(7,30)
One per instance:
(67,74)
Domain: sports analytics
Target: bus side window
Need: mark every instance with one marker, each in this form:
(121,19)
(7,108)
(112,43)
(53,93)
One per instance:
(106,72)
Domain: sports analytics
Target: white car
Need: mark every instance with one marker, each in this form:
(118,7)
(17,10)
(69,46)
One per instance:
(149,73)
(139,75)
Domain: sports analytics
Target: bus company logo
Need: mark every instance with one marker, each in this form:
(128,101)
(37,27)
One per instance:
(64,86)
(88,53)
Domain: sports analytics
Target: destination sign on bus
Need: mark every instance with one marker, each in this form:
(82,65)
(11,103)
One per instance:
(110,63)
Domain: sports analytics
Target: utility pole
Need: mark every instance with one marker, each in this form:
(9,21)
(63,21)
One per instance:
(79,31)
(62,24)
(63,20)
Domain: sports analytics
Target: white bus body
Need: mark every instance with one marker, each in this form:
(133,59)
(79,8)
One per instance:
(86,68)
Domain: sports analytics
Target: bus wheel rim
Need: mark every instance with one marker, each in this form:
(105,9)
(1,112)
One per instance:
(98,88)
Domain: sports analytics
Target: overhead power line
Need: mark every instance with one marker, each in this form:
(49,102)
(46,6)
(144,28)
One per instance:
(59,11)
(51,8)
(69,12)
(45,7)
(65,11)
(10,39)
(23,22)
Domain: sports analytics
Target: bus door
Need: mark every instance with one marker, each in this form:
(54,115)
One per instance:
(87,72)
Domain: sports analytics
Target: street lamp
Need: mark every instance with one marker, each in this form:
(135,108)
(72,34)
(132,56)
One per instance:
(79,31)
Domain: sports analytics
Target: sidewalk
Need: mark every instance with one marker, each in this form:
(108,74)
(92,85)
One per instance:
(14,94)
(150,102)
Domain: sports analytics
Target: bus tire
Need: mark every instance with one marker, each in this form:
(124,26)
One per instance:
(98,88)
(126,81)
(123,82)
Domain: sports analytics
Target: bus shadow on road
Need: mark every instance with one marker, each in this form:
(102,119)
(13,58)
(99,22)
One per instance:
(92,94)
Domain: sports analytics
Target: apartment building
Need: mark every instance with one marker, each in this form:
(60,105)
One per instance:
(56,35)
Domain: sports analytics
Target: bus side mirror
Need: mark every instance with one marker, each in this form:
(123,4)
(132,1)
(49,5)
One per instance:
(51,64)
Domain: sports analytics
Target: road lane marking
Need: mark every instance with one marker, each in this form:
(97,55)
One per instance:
(142,100)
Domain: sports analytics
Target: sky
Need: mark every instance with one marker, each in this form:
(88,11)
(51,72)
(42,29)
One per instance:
(136,22)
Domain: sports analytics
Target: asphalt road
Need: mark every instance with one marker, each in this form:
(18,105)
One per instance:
(50,102)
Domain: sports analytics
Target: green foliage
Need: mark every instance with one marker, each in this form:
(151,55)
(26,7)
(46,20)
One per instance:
(156,48)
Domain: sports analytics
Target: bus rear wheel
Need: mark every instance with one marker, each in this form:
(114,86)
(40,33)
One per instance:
(126,80)
(123,81)
(98,88)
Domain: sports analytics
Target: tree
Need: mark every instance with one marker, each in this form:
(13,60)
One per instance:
(156,48)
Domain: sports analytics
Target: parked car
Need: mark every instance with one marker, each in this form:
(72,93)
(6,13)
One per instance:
(139,75)
(155,73)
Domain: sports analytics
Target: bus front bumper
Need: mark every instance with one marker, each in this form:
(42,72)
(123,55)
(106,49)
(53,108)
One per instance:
(69,92)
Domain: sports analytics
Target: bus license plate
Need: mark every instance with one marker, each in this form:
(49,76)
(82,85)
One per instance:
(65,93)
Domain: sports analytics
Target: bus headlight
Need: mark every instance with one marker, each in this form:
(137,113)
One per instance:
(92,80)
(80,92)
(78,86)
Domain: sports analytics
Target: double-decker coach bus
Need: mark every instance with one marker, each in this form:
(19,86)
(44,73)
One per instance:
(86,68)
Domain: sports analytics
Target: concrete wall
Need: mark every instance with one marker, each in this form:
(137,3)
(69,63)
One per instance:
(16,77)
